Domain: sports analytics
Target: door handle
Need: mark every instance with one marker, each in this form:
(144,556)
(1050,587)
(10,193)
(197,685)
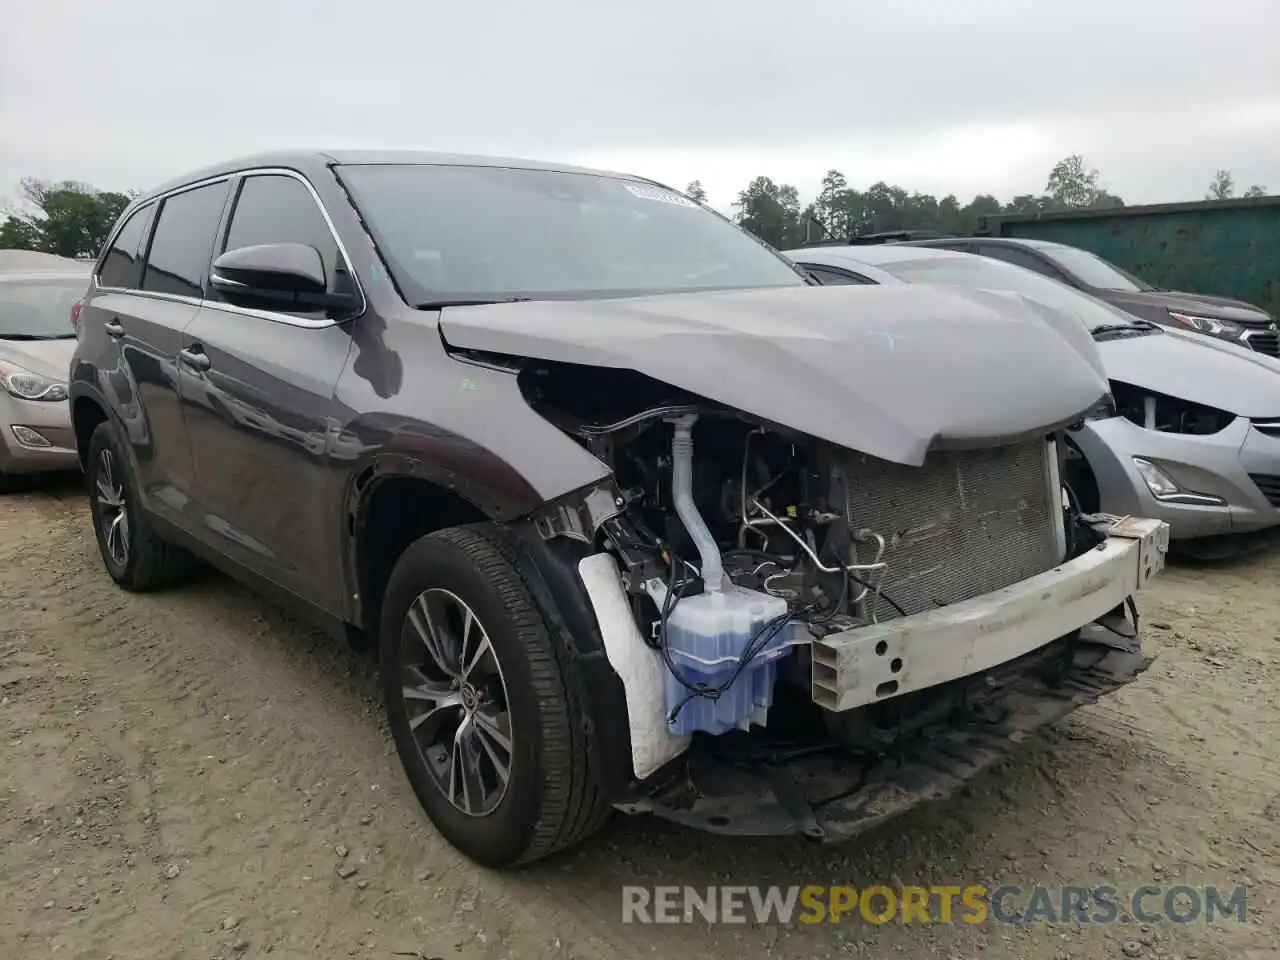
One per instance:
(114,328)
(195,358)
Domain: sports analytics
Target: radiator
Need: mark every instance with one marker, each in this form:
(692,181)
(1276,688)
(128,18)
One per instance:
(963,524)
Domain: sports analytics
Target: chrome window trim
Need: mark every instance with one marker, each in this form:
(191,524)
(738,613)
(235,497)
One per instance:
(271,315)
(155,201)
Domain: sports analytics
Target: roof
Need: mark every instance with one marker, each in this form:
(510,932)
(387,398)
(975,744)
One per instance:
(28,261)
(309,161)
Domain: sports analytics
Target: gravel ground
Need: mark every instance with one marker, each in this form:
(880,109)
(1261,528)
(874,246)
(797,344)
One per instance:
(193,775)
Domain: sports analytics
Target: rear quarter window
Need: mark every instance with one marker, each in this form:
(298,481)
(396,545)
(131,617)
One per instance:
(122,266)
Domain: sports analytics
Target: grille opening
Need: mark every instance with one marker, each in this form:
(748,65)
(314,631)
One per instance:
(1269,484)
(1267,343)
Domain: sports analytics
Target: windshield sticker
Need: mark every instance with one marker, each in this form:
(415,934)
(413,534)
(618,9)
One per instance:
(645,192)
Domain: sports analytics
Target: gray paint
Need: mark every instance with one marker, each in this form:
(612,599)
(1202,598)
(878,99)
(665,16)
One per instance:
(1190,366)
(1186,365)
(47,358)
(312,161)
(887,371)
(1192,304)
(1199,369)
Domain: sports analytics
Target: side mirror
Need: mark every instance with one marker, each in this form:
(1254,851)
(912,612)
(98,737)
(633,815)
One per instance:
(280,276)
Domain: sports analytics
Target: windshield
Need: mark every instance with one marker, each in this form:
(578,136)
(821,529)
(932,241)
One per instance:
(458,233)
(39,309)
(974,272)
(1093,271)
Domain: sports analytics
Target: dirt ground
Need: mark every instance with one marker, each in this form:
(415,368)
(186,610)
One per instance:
(193,775)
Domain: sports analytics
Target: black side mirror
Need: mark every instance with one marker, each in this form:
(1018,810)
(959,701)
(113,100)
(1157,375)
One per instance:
(279,276)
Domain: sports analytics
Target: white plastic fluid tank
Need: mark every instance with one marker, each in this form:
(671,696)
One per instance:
(706,636)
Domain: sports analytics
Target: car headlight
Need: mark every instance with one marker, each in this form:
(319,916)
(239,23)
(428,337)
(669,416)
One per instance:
(1215,328)
(26,385)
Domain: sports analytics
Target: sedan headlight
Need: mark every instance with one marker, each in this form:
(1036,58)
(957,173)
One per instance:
(25,385)
(1215,328)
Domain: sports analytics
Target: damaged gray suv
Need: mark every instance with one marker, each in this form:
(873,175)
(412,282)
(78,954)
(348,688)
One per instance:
(633,515)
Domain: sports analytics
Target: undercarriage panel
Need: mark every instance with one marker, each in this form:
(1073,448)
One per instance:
(825,793)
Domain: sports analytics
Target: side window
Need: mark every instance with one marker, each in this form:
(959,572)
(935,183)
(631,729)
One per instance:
(122,266)
(273,208)
(1018,257)
(830,277)
(183,242)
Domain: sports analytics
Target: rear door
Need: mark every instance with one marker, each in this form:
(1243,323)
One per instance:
(146,290)
(257,391)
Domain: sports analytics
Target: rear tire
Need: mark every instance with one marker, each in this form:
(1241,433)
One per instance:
(135,556)
(549,799)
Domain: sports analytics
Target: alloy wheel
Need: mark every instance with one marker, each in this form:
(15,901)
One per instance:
(113,512)
(456,701)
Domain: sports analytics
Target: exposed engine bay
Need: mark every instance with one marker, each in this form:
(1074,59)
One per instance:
(740,543)
(811,601)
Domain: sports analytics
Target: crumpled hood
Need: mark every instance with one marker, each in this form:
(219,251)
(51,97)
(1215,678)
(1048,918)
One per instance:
(48,358)
(1197,305)
(888,371)
(1199,369)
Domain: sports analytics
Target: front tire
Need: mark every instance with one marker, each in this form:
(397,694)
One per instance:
(134,555)
(481,702)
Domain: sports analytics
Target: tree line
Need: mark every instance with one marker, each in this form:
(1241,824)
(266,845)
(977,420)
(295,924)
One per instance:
(773,212)
(66,218)
(73,219)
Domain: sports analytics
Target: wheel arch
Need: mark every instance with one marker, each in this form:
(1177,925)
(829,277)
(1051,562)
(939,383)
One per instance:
(87,412)
(393,502)
(387,510)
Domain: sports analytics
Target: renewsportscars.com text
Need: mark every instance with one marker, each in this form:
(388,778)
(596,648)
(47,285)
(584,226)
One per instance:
(935,904)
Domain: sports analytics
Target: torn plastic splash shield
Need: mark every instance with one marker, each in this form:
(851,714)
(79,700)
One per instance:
(832,796)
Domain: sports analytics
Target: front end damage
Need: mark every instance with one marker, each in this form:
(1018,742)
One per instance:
(833,791)
(863,635)
(777,631)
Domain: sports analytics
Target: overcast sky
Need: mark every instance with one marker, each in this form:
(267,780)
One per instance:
(934,95)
